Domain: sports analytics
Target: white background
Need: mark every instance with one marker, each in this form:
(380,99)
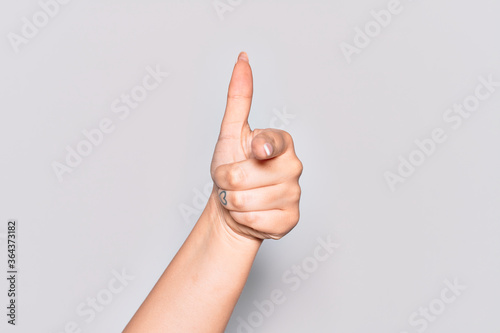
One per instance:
(120,208)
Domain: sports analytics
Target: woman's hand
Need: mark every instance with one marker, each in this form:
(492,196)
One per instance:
(256,196)
(255,173)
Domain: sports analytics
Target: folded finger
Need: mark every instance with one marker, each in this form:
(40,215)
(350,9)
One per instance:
(274,223)
(278,196)
(253,173)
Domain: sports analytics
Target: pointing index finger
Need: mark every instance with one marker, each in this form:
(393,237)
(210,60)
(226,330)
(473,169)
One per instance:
(239,96)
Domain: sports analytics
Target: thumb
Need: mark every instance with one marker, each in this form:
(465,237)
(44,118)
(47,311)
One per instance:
(269,143)
(239,97)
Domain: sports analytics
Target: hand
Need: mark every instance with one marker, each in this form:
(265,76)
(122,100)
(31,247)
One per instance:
(255,173)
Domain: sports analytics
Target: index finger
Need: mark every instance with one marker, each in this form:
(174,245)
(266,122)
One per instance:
(239,97)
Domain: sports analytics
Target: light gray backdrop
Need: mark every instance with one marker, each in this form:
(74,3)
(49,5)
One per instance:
(394,109)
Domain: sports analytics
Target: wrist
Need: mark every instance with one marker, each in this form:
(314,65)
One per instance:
(221,225)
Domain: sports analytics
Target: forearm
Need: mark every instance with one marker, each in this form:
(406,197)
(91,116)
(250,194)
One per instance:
(199,289)
(257,177)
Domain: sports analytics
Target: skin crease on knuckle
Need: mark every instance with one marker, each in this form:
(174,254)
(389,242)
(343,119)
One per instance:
(250,218)
(218,177)
(299,168)
(281,225)
(235,176)
(295,193)
(287,137)
(226,178)
(239,198)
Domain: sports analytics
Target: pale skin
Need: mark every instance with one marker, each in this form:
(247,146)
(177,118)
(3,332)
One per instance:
(255,196)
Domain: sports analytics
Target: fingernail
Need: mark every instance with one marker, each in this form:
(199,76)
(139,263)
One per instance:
(243,56)
(268,148)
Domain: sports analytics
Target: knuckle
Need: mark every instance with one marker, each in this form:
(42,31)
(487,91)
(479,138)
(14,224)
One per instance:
(286,136)
(290,221)
(280,233)
(296,193)
(238,200)
(238,95)
(217,176)
(251,218)
(293,218)
(235,176)
(298,167)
